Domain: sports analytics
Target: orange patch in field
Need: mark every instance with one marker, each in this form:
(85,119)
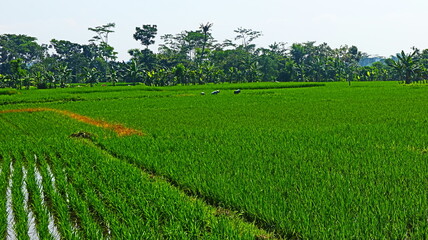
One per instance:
(118,128)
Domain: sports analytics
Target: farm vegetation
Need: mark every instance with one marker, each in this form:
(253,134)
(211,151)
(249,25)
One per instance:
(277,160)
(193,57)
(299,141)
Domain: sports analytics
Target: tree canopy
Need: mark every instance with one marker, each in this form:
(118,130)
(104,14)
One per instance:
(193,57)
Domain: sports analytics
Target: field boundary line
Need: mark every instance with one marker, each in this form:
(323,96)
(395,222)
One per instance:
(120,129)
(271,232)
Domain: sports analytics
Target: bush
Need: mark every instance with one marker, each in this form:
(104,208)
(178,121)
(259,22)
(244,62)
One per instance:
(8,92)
(42,85)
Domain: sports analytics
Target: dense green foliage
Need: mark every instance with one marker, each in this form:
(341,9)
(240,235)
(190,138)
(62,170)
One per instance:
(192,57)
(322,162)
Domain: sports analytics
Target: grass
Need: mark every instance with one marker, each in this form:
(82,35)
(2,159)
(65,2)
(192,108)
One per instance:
(328,162)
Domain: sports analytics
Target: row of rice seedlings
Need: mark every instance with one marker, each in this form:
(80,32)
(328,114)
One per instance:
(32,230)
(94,207)
(74,211)
(114,206)
(53,230)
(109,210)
(17,217)
(57,190)
(59,204)
(119,223)
(11,231)
(96,173)
(80,211)
(157,222)
(38,218)
(100,211)
(44,128)
(20,196)
(130,203)
(36,197)
(3,187)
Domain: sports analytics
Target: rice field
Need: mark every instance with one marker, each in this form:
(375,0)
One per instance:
(278,160)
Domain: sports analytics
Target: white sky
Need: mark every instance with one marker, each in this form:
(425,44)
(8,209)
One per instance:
(377,27)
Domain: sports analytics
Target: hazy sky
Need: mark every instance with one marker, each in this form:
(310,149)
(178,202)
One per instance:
(382,27)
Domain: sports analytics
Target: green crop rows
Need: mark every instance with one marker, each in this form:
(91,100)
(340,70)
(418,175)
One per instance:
(278,160)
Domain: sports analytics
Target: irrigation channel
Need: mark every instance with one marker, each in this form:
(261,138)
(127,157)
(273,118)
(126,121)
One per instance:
(11,234)
(32,231)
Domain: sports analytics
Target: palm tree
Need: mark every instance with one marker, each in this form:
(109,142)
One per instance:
(407,66)
(205,30)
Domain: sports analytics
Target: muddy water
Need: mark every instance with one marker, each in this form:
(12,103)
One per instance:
(11,234)
(32,230)
(53,230)
(52,177)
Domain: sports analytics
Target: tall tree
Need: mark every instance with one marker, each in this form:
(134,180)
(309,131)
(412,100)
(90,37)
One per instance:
(102,32)
(205,30)
(182,46)
(247,36)
(146,34)
(103,48)
(73,55)
(24,47)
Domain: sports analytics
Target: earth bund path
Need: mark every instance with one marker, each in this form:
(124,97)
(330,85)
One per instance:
(118,128)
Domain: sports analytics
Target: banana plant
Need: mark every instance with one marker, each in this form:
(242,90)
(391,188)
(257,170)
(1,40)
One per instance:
(407,66)
(91,76)
(64,75)
(134,71)
(113,76)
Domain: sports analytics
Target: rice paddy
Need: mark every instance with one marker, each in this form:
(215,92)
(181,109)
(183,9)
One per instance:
(275,161)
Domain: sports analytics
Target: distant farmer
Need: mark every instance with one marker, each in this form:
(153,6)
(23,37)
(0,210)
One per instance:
(215,92)
(237,91)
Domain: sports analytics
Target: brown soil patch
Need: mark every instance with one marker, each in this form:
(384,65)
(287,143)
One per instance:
(118,128)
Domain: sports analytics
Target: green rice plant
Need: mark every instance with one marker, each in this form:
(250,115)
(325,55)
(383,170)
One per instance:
(57,203)
(3,188)
(8,92)
(101,179)
(331,162)
(36,198)
(20,216)
(293,151)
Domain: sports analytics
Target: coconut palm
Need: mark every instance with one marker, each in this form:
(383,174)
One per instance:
(205,30)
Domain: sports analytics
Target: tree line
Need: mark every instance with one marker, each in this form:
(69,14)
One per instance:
(193,57)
